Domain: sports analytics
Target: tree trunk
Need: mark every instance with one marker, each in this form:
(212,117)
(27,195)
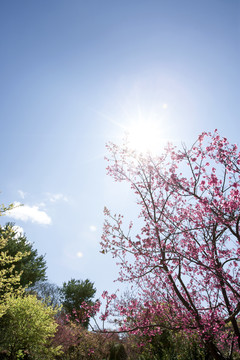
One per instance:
(214,351)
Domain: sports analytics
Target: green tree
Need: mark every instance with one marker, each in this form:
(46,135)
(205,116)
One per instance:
(27,328)
(170,345)
(32,266)
(73,294)
(9,278)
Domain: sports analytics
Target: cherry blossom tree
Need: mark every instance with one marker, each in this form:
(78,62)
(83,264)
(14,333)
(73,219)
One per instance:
(184,257)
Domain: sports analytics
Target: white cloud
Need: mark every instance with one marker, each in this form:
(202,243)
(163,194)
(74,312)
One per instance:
(22,194)
(29,213)
(92,228)
(57,197)
(79,254)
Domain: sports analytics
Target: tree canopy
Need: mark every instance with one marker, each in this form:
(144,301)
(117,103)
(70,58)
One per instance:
(9,278)
(27,327)
(74,293)
(185,258)
(31,266)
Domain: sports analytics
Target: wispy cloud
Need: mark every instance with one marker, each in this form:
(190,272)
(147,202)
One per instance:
(57,197)
(22,194)
(29,213)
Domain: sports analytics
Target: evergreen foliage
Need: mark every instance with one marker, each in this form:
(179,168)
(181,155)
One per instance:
(73,294)
(31,266)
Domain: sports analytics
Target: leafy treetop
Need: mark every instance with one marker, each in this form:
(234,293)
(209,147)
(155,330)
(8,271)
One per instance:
(9,278)
(31,266)
(73,294)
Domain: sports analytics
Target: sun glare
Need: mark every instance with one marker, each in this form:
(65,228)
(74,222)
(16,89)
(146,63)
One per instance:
(144,136)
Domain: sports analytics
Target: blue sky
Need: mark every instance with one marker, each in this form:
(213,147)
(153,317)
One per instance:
(76,74)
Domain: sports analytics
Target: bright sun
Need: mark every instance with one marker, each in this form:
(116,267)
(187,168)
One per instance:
(144,136)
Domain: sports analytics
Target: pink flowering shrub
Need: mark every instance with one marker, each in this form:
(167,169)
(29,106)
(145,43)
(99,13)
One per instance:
(78,343)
